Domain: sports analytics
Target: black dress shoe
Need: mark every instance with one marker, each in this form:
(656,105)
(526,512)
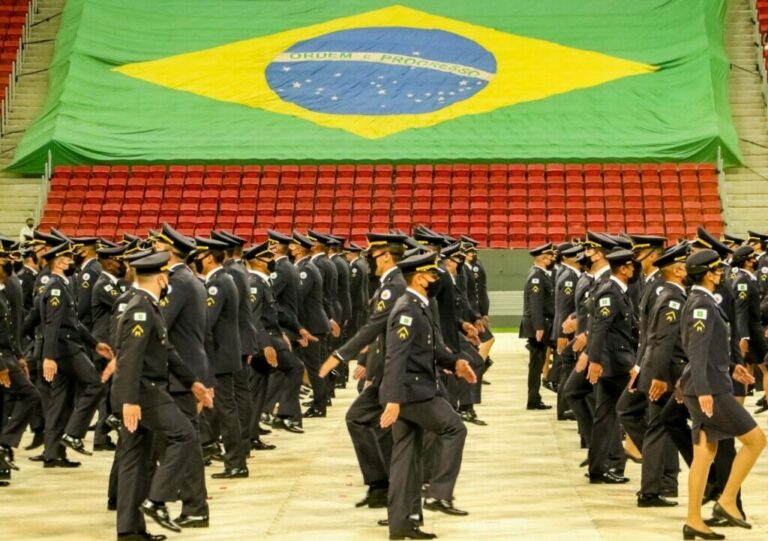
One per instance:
(308,403)
(689,533)
(140,536)
(153,537)
(231,473)
(190,521)
(654,500)
(212,451)
(719,512)
(38,438)
(111,504)
(264,431)
(4,484)
(539,406)
(108,446)
(567,416)
(76,444)
(60,463)
(608,478)
(159,513)
(375,498)
(37,458)
(383,522)
(5,474)
(282,423)
(6,459)
(444,506)
(312,412)
(258,445)
(584,463)
(113,422)
(717,522)
(413,533)
(669,492)
(761,409)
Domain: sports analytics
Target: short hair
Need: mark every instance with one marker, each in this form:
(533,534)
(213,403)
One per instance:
(218,255)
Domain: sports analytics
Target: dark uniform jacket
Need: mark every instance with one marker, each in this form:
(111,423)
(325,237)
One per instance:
(762,274)
(538,304)
(312,312)
(106,290)
(565,299)
(343,291)
(14,294)
(414,357)
(248,333)
(748,322)
(358,289)
(285,286)
(10,346)
(85,282)
(650,288)
(63,333)
(263,307)
(145,356)
(330,285)
(184,310)
(373,331)
(28,277)
(664,358)
(446,307)
(477,287)
(705,341)
(613,333)
(222,337)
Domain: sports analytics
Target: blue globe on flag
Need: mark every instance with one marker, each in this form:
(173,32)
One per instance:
(381,71)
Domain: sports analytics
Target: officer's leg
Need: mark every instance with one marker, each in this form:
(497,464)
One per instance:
(438,417)
(311,356)
(225,410)
(259,383)
(536,355)
(57,414)
(404,453)
(133,472)
(242,382)
(194,494)
(654,449)
(37,420)
(632,414)
(363,425)
(577,390)
(275,386)
(291,370)
(25,398)
(674,417)
(605,424)
(91,388)
(567,362)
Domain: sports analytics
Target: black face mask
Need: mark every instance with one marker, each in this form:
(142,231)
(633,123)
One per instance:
(638,272)
(271,265)
(78,259)
(121,271)
(71,269)
(8,268)
(687,281)
(17,266)
(164,292)
(198,266)
(433,288)
(550,266)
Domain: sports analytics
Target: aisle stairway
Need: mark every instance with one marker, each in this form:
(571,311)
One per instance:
(20,195)
(746,188)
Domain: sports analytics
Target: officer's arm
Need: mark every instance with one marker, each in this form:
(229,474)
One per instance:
(666,329)
(374,326)
(133,335)
(606,307)
(698,348)
(215,302)
(173,303)
(179,368)
(327,284)
(32,320)
(741,306)
(84,296)
(535,290)
(400,339)
(483,299)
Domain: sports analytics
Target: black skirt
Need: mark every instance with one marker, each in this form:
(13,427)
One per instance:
(729,418)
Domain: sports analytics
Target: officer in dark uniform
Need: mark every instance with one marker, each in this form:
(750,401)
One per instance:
(661,368)
(17,389)
(313,317)
(358,288)
(413,404)
(538,313)
(759,241)
(373,446)
(331,303)
(224,352)
(28,273)
(88,271)
(65,363)
(612,350)
(109,285)
(748,327)
(140,392)
(184,311)
(234,266)
(336,255)
(477,283)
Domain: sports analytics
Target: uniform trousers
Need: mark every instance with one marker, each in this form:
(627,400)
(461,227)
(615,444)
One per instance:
(136,483)
(225,417)
(631,409)
(312,357)
(373,445)
(567,363)
(537,353)
(579,394)
(242,382)
(660,462)
(288,375)
(20,401)
(435,416)
(606,431)
(74,372)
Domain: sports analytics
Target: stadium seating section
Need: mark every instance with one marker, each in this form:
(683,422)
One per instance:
(501,205)
(13,15)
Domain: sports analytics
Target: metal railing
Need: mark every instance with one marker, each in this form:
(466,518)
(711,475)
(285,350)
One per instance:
(21,55)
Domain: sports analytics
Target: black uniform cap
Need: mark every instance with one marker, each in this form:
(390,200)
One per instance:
(301,240)
(354,248)
(128,238)
(151,264)
(754,236)
(6,243)
(676,254)
(136,254)
(640,242)
(598,240)
(275,237)
(620,256)
(170,236)
(258,251)
(419,263)
(704,239)
(454,250)
(418,250)
(703,261)
(742,253)
(221,237)
(376,240)
(63,249)
(543,249)
(318,237)
(427,236)
(237,241)
(203,244)
(469,240)
(622,240)
(87,241)
(573,251)
(734,239)
(109,252)
(49,239)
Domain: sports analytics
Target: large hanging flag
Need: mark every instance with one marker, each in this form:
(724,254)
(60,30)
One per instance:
(220,81)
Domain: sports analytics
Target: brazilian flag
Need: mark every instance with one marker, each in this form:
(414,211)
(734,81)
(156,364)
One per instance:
(303,81)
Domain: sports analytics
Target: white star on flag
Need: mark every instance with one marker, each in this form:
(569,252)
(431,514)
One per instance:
(296,84)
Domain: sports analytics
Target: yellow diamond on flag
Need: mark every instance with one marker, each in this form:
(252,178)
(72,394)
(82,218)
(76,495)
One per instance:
(381,72)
